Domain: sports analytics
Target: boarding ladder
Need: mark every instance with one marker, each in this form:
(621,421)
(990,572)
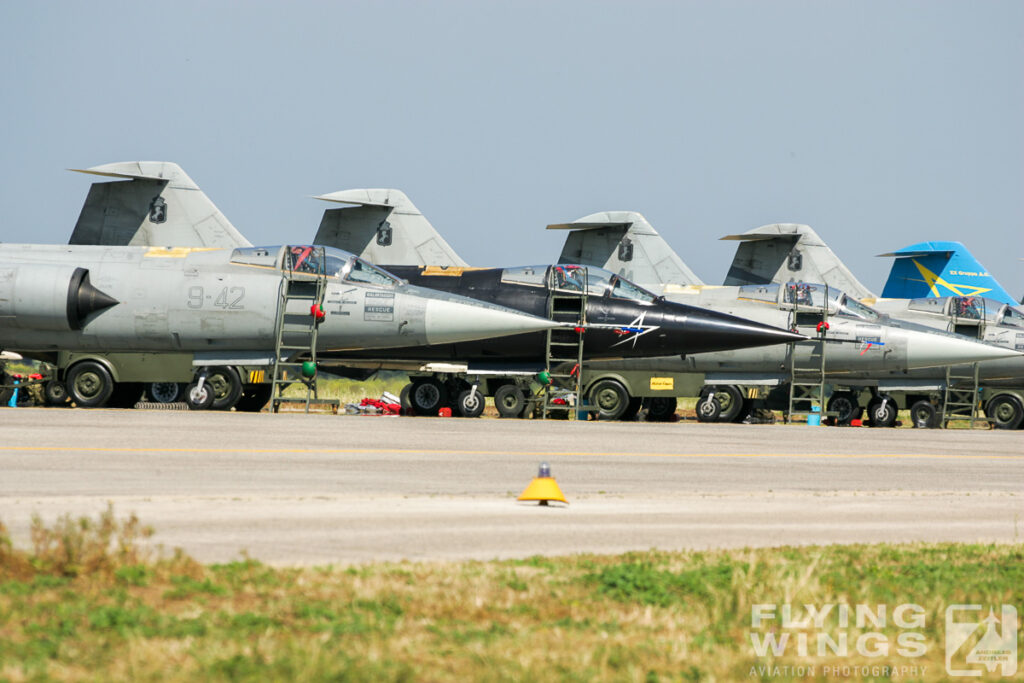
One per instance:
(963,388)
(807,374)
(301,294)
(563,350)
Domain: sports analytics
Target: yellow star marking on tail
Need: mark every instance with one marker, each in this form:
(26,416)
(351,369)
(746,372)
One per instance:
(931,279)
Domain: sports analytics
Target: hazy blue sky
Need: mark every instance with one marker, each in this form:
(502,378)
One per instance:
(877,123)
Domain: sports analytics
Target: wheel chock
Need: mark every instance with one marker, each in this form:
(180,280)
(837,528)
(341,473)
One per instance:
(543,488)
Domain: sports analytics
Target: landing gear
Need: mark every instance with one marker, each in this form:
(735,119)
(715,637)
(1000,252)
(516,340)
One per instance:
(635,404)
(846,407)
(661,409)
(199,395)
(882,411)
(427,395)
(509,401)
(708,408)
(89,384)
(1005,412)
(730,401)
(470,403)
(924,415)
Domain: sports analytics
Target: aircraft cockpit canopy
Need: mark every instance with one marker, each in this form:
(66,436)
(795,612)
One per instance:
(808,295)
(570,278)
(1012,317)
(961,307)
(311,260)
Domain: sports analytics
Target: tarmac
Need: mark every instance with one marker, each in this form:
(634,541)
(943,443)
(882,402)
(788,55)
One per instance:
(323,489)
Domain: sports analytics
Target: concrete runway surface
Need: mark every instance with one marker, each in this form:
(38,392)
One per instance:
(318,489)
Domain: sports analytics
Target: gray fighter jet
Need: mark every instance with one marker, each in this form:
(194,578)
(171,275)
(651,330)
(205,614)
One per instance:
(780,253)
(625,243)
(220,305)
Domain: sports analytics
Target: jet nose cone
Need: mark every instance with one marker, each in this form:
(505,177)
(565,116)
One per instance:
(457,319)
(712,331)
(926,349)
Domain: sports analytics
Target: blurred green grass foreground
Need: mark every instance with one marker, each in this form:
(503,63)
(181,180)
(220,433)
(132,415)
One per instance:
(95,599)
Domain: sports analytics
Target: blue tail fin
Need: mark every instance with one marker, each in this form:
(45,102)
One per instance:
(940,269)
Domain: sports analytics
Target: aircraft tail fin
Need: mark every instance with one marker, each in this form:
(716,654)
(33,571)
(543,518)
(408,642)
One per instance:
(152,203)
(625,243)
(934,269)
(785,252)
(385,227)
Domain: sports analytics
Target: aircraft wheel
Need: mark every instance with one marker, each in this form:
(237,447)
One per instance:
(165,392)
(254,398)
(845,405)
(610,398)
(882,413)
(89,384)
(470,403)
(226,386)
(1005,411)
(635,404)
(731,401)
(55,392)
(509,401)
(199,399)
(661,409)
(708,408)
(427,395)
(924,415)
(125,395)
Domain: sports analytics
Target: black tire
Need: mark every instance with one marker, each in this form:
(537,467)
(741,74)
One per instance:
(730,399)
(509,401)
(427,396)
(226,386)
(89,384)
(1005,411)
(846,407)
(254,398)
(125,395)
(882,413)
(610,398)
(470,403)
(708,408)
(55,393)
(199,399)
(635,404)
(924,415)
(661,409)
(165,392)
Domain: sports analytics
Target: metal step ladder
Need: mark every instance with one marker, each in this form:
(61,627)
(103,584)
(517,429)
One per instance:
(807,377)
(960,400)
(563,351)
(962,391)
(303,285)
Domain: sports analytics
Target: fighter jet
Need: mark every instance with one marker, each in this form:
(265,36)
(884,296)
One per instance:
(622,319)
(949,284)
(220,305)
(861,346)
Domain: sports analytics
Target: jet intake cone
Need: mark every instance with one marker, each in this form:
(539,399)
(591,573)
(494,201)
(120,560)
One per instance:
(84,299)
